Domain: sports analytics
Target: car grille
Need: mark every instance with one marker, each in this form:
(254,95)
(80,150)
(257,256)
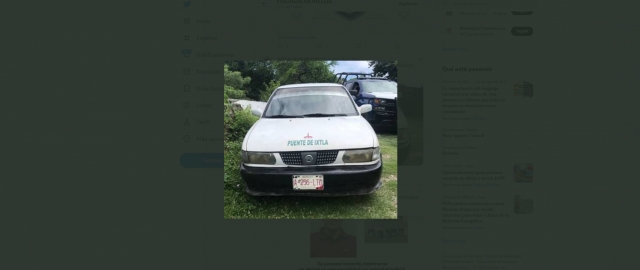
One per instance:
(295,158)
(390,107)
(326,157)
(291,158)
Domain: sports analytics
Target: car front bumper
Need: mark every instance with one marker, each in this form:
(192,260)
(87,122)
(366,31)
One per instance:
(338,180)
(379,120)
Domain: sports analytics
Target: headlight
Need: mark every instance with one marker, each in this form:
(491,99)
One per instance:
(258,158)
(244,157)
(376,154)
(362,155)
(379,101)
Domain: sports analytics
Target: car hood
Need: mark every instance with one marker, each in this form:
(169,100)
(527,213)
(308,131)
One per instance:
(312,134)
(385,95)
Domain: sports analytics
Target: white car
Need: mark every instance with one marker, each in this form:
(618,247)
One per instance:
(311,139)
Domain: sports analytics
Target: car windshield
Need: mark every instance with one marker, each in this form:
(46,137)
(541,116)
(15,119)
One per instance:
(379,86)
(312,101)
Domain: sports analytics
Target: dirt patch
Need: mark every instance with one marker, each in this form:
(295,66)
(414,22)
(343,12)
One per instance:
(388,178)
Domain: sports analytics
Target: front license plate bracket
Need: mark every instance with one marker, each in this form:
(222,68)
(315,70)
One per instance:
(308,182)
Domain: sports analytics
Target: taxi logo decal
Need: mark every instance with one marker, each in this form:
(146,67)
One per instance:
(307,142)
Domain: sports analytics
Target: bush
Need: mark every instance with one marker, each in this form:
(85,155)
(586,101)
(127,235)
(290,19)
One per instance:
(230,92)
(231,164)
(237,123)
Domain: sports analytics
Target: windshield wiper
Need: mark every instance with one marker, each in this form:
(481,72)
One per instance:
(323,115)
(285,116)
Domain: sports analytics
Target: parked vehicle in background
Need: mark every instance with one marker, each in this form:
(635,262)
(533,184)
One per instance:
(380,93)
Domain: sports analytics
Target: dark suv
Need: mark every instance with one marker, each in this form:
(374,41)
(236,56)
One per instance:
(381,93)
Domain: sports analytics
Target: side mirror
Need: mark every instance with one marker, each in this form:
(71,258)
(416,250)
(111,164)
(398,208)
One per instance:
(256,112)
(365,108)
(353,92)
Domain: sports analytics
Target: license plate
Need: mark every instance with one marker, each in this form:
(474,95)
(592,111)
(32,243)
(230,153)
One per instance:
(308,182)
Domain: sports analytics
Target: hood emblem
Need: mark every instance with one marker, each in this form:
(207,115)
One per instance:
(308,137)
(308,158)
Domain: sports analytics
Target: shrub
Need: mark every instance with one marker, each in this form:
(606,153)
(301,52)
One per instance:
(231,164)
(237,122)
(230,92)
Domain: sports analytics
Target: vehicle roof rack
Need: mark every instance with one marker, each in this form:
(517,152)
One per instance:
(361,73)
(343,76)
(369,78)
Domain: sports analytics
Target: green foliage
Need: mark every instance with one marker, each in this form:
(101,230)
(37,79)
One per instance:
(387,69)
(237,123)
(233,93)
(269,90)
(260,72)
(234,84)
(234,79)
(257,78)
(232,178)
(290,72)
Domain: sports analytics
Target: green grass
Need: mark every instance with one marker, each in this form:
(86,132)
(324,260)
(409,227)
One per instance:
(381,204)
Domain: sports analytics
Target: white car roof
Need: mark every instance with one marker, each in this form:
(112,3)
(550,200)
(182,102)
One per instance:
(309,85)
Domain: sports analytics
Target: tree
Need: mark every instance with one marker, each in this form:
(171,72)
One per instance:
(387,69)
(265,76)
(236,122)
(261,73)
(290,72)
(269,90)
(234,83)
